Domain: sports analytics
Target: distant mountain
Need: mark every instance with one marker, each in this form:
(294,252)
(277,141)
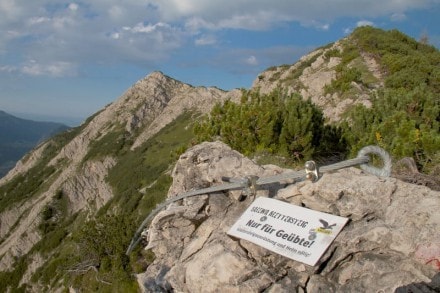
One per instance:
(18,136)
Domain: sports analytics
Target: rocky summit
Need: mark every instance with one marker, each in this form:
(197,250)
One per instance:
(391,240)
(67,174)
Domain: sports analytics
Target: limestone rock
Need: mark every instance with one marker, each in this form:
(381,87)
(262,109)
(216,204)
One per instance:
(143,109)
(391,240)
(310,76)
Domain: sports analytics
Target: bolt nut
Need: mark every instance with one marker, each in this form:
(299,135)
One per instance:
(310,165)
(311,176)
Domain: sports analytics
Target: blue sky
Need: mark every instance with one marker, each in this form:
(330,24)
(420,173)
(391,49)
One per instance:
(64,61)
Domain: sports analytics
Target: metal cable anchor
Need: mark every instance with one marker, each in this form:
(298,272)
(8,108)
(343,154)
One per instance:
(311,171)
(385,171)
(250,184)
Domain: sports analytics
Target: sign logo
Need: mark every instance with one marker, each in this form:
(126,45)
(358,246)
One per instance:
(325,227)
(292,231)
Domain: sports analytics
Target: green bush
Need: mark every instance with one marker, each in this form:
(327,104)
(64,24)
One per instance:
(301,129)
(140,168)
(332,53)
(24,186)
(102,243)
(54,213)
(404,123)
(406,62)
(405,116)
(276,123)
(115,142)
(139,181)
(343,80)
(294,75)
(9,280)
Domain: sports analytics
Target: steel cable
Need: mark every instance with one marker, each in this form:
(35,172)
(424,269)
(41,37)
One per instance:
(245,183)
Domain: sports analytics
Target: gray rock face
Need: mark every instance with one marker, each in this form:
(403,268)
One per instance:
(390,241)
(316,72)
(147,107)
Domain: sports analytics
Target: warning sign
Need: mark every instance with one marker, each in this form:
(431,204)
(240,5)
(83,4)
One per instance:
(292,231)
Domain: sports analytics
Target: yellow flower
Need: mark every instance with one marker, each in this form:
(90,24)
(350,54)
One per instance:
(417,135)
(378,136)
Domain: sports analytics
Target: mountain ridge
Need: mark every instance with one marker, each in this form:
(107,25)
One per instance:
(116,167)
(313,72)
(80,182)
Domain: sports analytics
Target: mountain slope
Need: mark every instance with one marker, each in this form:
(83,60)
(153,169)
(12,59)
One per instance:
(380,87)
(70,207)
(72,170)
(18,136)
(353,70)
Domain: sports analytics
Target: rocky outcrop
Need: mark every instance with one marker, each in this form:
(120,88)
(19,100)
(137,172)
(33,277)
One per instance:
(310,75)
(390,241)
(89,190)
(175,98)
(25,163)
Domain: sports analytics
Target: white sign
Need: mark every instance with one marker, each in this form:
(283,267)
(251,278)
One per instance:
(292,231)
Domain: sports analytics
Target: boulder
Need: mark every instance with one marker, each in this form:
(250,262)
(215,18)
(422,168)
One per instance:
(391,240)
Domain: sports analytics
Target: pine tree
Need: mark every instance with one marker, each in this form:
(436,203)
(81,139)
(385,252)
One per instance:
(301,128)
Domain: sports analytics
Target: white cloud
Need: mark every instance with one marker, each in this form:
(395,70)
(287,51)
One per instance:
(195,24)
(149,28)
(258,21)
(205,40)
(116,12)
(318,25)
(38,20)
(261,14)
(161,35)
(364,23)
(148,31)
(8,68)
(325,27)
(9,10)
(142,43)
(398,16)
(115,36)
(73,6)
(360,23)
(101,32)
(54,69)
(252,60)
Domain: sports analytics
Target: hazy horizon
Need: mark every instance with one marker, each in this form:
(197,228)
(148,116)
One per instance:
(68,121)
